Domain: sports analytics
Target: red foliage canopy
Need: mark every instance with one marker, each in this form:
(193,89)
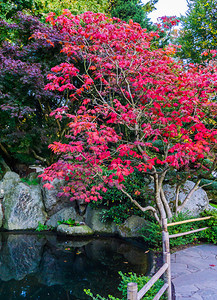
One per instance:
(140,108)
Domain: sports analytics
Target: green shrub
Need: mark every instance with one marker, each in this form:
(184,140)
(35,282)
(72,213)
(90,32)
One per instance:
(210,234)
(117,206)
(141,280)
(186,239)
(34,181)
(70,222)
(209,184)
(42,227)
(153,233)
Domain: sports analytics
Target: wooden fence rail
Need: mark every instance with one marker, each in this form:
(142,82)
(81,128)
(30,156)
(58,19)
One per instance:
(132,289)
(188,221)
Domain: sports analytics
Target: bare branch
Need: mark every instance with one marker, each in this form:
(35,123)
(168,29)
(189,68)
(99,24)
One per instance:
(142,208)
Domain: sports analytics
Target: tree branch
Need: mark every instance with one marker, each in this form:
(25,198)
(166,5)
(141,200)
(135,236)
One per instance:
(143,209)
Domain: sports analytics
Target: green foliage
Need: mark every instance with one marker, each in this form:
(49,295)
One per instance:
(132,9)
(42,227)
(141,280)
(211,233)
(150,5)
(34,181)
(199,29)
(213,205)
(117,206)
(75,6)
(209,184)
(186,239)
(70,222)
(8,8)
(153,236)
(1,172)
(119,213)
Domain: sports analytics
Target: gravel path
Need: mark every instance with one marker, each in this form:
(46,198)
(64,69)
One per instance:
(194,273)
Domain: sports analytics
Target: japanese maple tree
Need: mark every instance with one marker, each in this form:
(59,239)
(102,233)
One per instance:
(141,110)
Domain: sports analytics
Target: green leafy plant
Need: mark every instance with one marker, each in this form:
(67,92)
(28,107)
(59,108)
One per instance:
(42,227)
(152,234)
(116,206)
(70,222)
(210,234)
(34,181)
(119,213)
(141,280)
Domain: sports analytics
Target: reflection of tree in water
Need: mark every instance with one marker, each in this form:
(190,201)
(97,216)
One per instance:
(45,268)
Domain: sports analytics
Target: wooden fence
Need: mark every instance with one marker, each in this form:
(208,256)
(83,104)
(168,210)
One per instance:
(132,289)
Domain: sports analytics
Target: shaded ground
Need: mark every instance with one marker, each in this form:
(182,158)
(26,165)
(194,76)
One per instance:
(194,273)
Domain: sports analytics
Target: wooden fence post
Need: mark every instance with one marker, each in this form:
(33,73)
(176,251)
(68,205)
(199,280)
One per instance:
(165,237)
(132,291)
(167,275)
(166,258)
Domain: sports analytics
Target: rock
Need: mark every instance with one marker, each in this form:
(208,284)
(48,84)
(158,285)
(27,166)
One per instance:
(75,230)
(197,203)
(10,180)
(131,227)
(1,215)
(20,256)
(22,205)
(1,190)
(92,219)
(64,214)
(52,202)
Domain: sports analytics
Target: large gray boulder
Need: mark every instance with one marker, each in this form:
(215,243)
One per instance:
(1,190)
(10,180)
(131,227)
(64,214)
(195,205)
(82,230)
(93,220)
(52,202)
(22,204)
(1,215)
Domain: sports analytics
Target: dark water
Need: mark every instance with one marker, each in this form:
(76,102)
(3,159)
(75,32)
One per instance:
(46,267)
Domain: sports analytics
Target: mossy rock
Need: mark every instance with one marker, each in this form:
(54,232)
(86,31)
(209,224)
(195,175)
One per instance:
(82,230)
(132,227)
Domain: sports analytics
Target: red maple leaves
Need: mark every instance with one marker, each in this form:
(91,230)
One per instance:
(140,108)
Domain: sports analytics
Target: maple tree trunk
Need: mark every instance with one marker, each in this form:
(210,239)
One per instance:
(166,204)
(158,200)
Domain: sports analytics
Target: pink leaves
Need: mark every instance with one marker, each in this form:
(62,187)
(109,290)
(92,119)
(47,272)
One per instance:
(48,186)
(160,114)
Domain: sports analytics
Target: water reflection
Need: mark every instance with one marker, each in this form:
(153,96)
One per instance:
(45,267)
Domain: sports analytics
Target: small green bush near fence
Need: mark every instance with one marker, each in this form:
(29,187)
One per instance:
(141,280)
(152,234)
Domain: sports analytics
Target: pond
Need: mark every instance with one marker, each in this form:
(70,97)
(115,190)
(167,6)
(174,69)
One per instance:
(48,267)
